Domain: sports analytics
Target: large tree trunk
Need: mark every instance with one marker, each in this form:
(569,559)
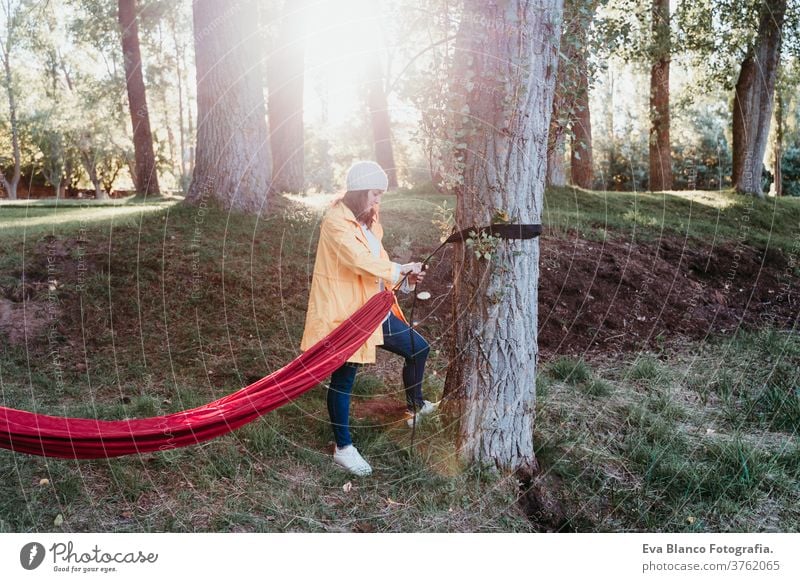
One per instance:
(233,164)
(381,122)
(504,76)
(752,101)
(660,157)
(285,81)
(581,162)
(146,178)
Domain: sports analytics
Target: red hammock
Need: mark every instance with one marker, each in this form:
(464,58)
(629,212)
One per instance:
(83,438)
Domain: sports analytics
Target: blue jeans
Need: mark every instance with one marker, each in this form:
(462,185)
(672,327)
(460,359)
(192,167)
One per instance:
(396,339)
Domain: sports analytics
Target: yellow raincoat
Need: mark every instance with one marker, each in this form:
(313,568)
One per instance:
(346,275)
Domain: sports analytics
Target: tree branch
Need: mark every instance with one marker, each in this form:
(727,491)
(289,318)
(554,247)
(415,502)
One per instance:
(392,85)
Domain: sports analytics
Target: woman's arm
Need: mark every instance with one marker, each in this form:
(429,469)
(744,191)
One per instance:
(354,255)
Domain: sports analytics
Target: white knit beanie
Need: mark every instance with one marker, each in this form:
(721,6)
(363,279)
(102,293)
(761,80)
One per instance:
(366,176)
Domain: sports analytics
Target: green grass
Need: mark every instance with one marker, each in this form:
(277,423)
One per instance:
(25,219)
(570,370)
(661,458)
(574,372)
(645,367)
(713,216)
(599,388)
(178,308)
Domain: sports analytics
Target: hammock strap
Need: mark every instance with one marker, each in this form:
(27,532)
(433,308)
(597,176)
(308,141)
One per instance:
(503,231)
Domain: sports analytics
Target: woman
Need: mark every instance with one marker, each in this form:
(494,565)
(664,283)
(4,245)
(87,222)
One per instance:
(352,266)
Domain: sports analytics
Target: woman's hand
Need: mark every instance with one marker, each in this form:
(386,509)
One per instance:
(415,272)
(415,278)
(414,268)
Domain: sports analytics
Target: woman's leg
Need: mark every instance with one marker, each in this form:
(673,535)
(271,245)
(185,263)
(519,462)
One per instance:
(339,391)
(397,339)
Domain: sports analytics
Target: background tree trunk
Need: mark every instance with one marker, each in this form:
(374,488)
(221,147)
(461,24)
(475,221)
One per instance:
(233,164)
(572,75)
(146,177)
(510,66)
(660,154)
(556,136)
(581,159)
(611,151)
(381,122)
(752,101)
(285,81)
(90,165)
(776,168)
(10,186)
(179,52)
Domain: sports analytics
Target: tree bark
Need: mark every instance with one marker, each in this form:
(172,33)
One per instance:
(556,136)
(381,121)
(232,164)
(90,165)
(285,81)
(572,73)
(609,182)
(504,76)
(581,158)
(660,155)
(752,101)
(10,186)
(777,169)
(146,177)
(179,50)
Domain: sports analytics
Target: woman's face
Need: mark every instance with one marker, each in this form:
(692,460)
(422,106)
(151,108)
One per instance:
(373,198)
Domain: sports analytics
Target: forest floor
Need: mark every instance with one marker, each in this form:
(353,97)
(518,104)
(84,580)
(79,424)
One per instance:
(668,395)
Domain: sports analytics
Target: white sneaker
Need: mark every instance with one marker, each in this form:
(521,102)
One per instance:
(427,408)
(350,459)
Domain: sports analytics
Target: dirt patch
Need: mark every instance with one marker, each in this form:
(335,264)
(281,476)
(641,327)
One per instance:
(617,296)
(21,321)
(35,299)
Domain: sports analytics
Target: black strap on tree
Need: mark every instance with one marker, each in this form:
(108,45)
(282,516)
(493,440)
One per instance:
(502,231)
